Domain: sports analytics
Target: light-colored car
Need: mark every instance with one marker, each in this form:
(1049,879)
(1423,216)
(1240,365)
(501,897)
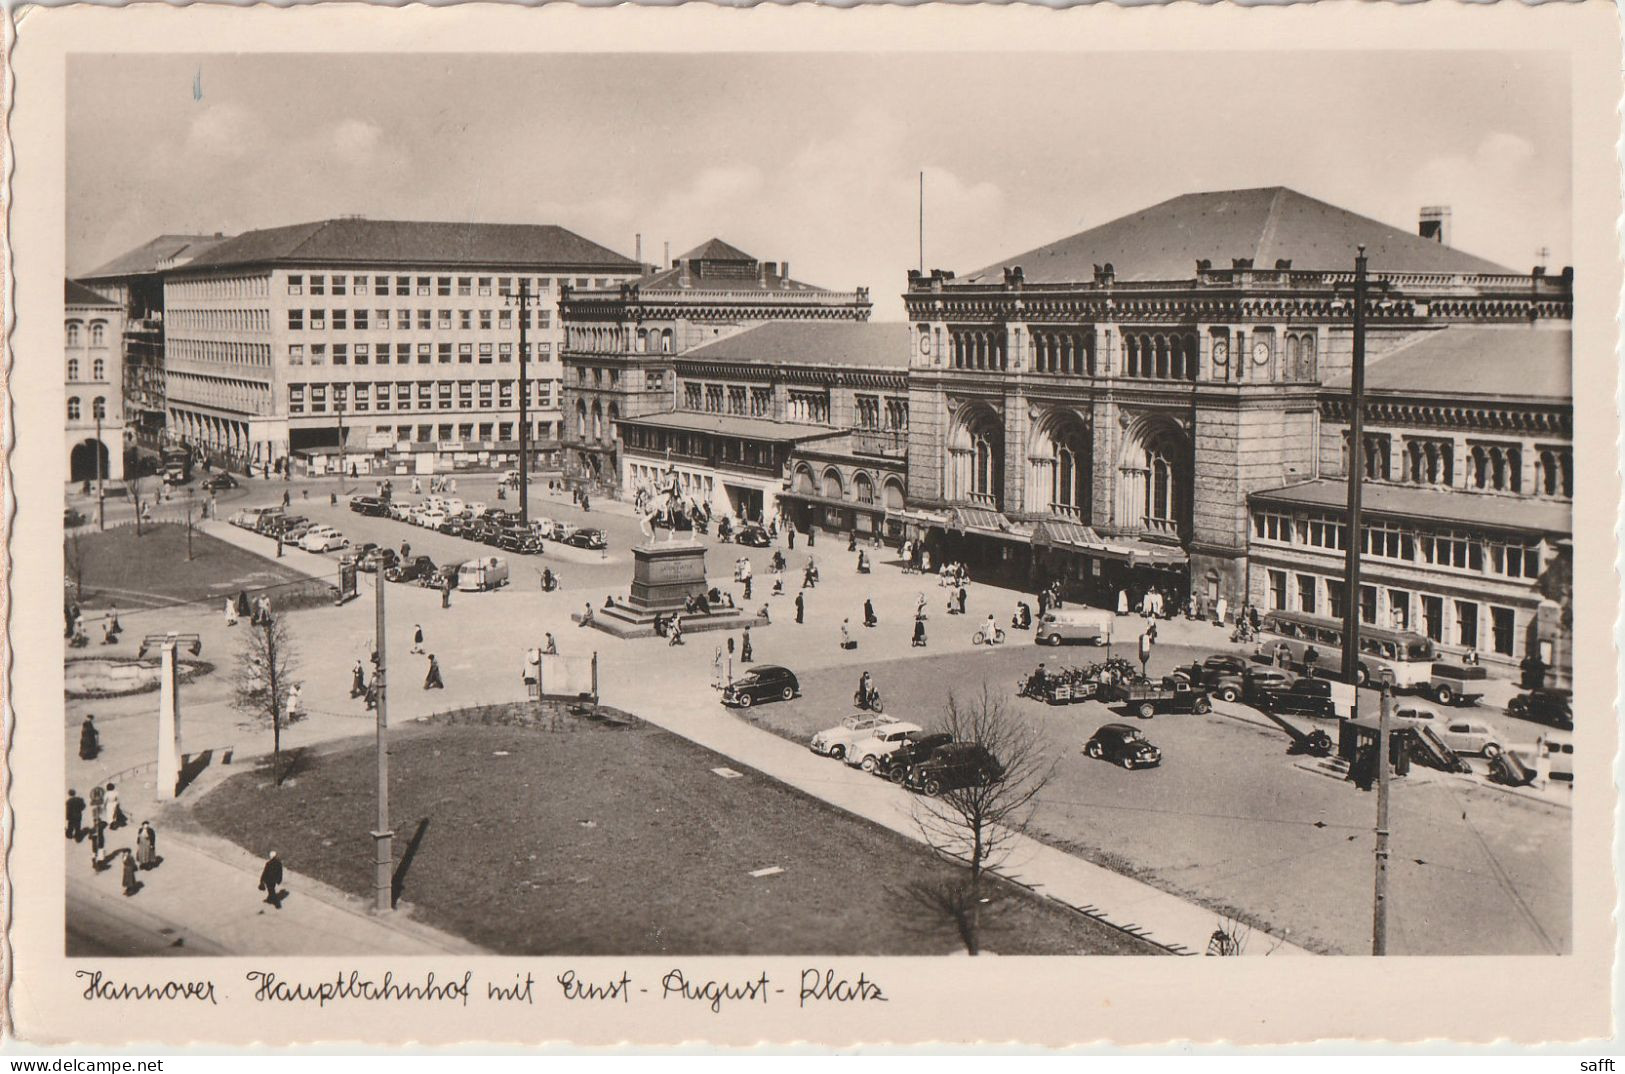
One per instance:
(323,539)
(430,517)
(835,741)
(475,509)
(453,506)
(1470,736)
(402,510)
(1418,714)
(867,752)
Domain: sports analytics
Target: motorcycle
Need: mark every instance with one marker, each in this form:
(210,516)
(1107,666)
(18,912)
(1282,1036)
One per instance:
(871,702)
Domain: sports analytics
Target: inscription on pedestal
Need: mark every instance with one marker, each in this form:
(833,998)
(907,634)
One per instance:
(665,576)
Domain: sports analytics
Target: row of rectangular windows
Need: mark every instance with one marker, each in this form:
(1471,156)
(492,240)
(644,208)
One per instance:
(378,354)
(440,285)
(362,320)
(1397,609)
(1453,549)
(464,432)
(386,396)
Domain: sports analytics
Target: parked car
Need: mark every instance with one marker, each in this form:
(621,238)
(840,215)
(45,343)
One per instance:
(1545,705)
(1456,684)
(1123,744)
(895,765)
(324,539)
(1471,736)
(867,752)
(834,741)
(765,682)
(1150,697)
(587,538)
(1079,624)
(368,505)
(478,575)
(453,507)
(476,509)
(1258,683)
(1304,697)
(1224,675)
(431,517)
(298,531)
(402,510)
(452,526)
(220,482)
(278,522)
(377,559)
(415,569)
(953,766)
(753,536)
(526,544)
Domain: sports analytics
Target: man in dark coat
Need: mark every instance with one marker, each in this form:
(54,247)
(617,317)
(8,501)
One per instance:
(801,608)
(433,681)
(76,816)
(271,880)
(869,618)
(745,652)
(90,741)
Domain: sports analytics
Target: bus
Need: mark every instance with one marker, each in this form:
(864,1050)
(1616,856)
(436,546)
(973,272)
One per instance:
(1401,658)
(177,465)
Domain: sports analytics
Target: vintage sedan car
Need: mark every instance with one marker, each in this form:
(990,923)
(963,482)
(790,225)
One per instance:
(866,752)
(765,682)
(1545,705)
(834,741)
(1471,736)
(515,540)
(1259,683)
(1123,744)
(402,510)
(220,482)
(324,539)
(430,518)
(753,536)
(377,559)
(413,570)
(453,526)
(1304,697)
(895,765)
(587,538)
(952,767)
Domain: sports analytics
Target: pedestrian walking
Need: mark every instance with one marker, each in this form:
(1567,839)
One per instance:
(285,498)
(962,600)
(90,740)
(296,701)
(550,647)
(433,681)
(358,680)
(1122,602)
(98,843)
(919,633)
(417,638)
(231,612)
(745,654)
(131,884)
(146,847)
(676,630)
(846,636)
(445,592)
(869,617)
(801,609)
(113,811)
(747,586)
(114,624)
(1221,609)
(790,535)
(271,880)
(76,815)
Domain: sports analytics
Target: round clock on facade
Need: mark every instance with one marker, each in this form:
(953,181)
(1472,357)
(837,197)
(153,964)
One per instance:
(1261,352)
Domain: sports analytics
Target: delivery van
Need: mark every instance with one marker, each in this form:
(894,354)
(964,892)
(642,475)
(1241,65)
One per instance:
(1093,625)
(489,572)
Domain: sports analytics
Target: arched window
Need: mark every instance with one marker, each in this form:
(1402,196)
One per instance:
(73,369)
(614,419)
(665,341)
(894,495)
(804,480)
(73,333)
(98,369)
(1164,492)
(863,489)
(73,408)
(833,489)
(98,409)
(643,341)
(597,420)
(98,333)
(581,420)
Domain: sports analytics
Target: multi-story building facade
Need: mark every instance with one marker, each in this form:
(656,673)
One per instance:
(1468,498)
(134,280)
(388,340)
(804,418)
(93,378)
(1099,410)
(621,343)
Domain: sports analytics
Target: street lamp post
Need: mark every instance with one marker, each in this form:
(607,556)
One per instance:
(383,856)
(340,407)
(522,301)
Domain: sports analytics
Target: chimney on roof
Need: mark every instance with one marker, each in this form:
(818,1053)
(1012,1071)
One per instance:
(637,248)
(784,274)
(1434,223)
(665,260)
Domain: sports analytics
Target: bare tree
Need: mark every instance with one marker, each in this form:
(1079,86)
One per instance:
(74,557)
(265,680)
(977,824)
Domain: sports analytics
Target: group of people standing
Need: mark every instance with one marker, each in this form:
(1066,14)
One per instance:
(90,820)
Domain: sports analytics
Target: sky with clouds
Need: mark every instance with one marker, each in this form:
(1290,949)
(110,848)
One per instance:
(813,159)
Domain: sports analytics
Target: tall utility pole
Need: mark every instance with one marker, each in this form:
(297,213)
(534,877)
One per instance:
(1379,900)
(101,499)
(383,851)
(1351,550)
(341,446)
(522,302)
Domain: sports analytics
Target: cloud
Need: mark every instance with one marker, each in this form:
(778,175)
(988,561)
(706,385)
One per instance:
(1502,169)
(222,131)
(355,141)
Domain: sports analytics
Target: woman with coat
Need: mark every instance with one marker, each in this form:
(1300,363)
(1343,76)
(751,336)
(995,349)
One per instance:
(90,740)
(146,846)
(131,884)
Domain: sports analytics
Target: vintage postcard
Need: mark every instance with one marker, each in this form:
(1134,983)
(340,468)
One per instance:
(891,525)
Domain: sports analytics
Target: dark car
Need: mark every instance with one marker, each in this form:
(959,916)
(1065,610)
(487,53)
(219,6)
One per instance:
(220,482)
(453,526)
(1224,675)
(1260,682)
(1123,744)
(588,538)
(765,682)
(1305,697)
(1546,705)
(283,525)
(368,505)
(895,765)
(72,518)
(753,536)
(413,570)
(526,544)
(372,560)
(955,765)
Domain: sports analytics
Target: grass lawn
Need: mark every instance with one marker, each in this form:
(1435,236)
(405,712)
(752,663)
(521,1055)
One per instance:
(152,570)
(582,838)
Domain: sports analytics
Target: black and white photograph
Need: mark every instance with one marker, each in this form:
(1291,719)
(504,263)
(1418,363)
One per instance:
(832,505)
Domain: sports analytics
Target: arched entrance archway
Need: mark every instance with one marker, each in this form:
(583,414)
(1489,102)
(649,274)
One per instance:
(88,460)
(1058,466)
(1154,479)
(976,458)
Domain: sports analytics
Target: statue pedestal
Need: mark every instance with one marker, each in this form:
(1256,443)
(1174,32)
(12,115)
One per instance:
(664,576)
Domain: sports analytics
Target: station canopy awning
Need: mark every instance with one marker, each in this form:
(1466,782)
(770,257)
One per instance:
(986,522)
(1065,533)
